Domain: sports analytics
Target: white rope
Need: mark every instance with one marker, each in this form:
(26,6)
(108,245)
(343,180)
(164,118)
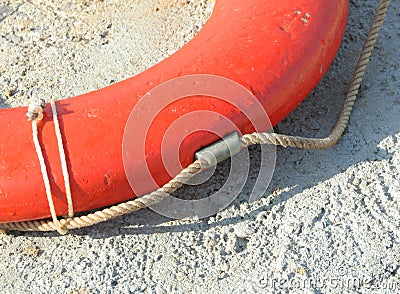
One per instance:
(35,113)
(64,166)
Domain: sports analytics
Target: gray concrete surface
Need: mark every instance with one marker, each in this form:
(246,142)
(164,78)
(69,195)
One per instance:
(328,223)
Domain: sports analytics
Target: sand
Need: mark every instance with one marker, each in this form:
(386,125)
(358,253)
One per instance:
(329,221)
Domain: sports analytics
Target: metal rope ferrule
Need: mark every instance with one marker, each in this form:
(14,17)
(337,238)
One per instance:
(221,150)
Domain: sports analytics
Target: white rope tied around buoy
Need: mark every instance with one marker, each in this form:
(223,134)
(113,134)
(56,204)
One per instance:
(64,165)
(35,113)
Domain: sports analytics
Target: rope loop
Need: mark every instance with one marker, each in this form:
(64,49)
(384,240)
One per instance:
(35,114)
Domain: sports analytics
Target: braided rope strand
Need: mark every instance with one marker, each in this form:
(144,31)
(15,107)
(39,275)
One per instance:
(64,165)
(247,140)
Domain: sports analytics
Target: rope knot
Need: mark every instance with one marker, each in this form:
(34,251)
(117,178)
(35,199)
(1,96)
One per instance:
(35,109)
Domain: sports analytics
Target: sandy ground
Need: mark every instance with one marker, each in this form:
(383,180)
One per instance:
(328,223)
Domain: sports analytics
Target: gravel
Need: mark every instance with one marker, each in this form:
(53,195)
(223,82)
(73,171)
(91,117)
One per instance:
(329,221)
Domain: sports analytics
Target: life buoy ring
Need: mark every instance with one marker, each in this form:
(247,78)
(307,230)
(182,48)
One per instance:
(278,50)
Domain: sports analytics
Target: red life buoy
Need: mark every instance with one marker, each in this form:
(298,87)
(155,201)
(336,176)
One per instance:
(277,50)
